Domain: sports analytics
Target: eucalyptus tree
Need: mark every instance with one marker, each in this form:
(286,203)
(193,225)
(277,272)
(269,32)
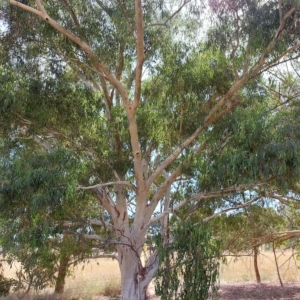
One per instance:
(163,85)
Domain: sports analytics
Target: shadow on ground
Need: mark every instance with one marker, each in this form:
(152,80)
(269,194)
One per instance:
(265,291)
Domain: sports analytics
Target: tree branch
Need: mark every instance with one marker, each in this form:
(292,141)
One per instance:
(280,10)
(282,236)
(171,17)
(209,195)
(72,12)
(25,7)
(100,67)
(213,116)
(126,183)
(140,52)
(107,225)
(94,237)
(283,199)
(105,201)
(126,17)
(161,191)
(120,66)
(231,208)
(284,19)
(38,139)
(275,61)
(112,256)
(174,155)
(40,6)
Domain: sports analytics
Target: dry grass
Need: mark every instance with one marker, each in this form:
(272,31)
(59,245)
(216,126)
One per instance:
(241,269)
(102,276)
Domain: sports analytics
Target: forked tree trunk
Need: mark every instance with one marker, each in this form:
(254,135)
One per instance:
(257,275)
(135,278)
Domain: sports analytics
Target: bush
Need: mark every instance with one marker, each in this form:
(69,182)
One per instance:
(189,267)
(5,285)
(111,289)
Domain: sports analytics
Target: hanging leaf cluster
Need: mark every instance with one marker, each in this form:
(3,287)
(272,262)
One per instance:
(189,266)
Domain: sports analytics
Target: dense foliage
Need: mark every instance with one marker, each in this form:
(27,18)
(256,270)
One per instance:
(189,266)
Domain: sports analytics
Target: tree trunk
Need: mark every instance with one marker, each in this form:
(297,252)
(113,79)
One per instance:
(135,277)
(257,275)
(62,272)
(276,262)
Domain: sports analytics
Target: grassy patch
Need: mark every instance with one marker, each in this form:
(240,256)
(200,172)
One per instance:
(111,289)
(241,269)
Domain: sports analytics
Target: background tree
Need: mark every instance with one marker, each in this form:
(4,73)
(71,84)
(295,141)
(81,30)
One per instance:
(161,101)
(241,231)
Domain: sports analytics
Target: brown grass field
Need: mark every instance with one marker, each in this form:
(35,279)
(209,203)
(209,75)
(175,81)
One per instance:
(241,269)
(102,277)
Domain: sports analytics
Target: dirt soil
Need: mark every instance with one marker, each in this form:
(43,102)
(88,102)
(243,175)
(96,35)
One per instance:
(249,291)
(264,291)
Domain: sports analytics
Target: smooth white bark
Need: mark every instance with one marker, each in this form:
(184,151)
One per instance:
(135,274)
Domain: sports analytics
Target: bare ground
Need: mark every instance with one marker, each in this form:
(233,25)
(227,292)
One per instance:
(253,291)
(250,291)
(264,291)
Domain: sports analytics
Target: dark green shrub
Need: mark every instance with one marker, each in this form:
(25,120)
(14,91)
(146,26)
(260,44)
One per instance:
(5,285)
(189,266)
